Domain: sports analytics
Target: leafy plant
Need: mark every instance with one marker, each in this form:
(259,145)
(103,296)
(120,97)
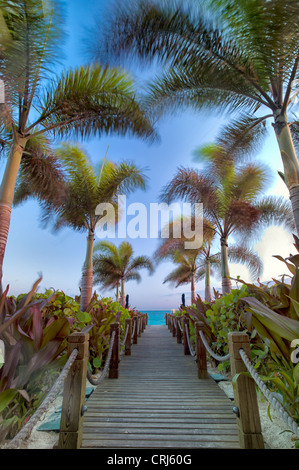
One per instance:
(34,347)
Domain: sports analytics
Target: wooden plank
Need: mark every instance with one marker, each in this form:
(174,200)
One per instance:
(158,401)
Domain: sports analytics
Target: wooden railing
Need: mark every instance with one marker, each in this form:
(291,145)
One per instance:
(73,405)
(245,396)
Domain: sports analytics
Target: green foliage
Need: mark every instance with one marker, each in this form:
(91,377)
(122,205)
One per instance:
(34,352)
(102,315)
(274,315)
(34,328)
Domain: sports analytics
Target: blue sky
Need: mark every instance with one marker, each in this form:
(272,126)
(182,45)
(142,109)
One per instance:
(59,257)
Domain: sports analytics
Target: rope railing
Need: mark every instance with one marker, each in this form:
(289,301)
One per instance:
(244,397)
(73,376)
(133,332)
(211,352)
(104,372)
(287,418)
(26,431)
(192,352)
(125,337)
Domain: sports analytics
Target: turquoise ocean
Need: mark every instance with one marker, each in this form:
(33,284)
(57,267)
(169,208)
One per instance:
(156,317)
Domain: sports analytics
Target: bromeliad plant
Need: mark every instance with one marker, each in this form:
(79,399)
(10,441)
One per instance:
(274,314)
(34,347)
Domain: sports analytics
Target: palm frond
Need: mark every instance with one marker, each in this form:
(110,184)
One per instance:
(246,256)
(41,175)
(179,276)
(243,136)
(141,262)
(94,100)
(190,185)
(276,211)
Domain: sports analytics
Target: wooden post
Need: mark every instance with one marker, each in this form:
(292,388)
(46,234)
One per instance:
(201,353)
(249,425)
(71,423)
(135,338)
(143,322)
(186,346)
(166,319)
(173,326)
(146,319)
(128,342)
(113,367)
(178,331)
(139,325)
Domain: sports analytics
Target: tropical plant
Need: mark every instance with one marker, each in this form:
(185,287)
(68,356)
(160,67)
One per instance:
(229,55)
(118,263)
(230,195)
(89,100)
(83,189)
(272,311)
(34,347)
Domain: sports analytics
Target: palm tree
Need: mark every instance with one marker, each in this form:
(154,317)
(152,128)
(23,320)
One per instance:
(89,100)
(233,55)
(185,271)
(78,196)
(231,200)
(195,265)
(209,264)
(114,265)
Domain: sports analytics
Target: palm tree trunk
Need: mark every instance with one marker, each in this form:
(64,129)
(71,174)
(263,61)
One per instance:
(226,282)
(290,162)
(123,296)
(117,291)
(87,274)
(193,288)
(7,189)
(208,283)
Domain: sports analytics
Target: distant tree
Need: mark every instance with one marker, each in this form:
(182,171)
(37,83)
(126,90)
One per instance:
(195,265)
(114,265)
(231,197)
(79,192)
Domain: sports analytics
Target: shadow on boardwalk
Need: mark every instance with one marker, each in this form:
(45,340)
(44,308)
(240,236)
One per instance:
(159,402)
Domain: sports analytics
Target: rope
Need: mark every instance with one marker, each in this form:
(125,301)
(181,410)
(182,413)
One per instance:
(215,356)
(27,429)
(104,371)
(192,352)
(125,338)
(133,332)
(269,396)
(180,326)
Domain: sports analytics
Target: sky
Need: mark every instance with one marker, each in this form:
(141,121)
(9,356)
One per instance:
(32,250)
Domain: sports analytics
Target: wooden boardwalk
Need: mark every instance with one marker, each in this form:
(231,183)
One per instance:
(158,402)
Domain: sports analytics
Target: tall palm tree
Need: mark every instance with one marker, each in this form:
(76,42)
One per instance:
(89,100)
(234,55)
(114,265)
(209,264)
(185,271)
(195,265)
(81,190)
(231,200)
